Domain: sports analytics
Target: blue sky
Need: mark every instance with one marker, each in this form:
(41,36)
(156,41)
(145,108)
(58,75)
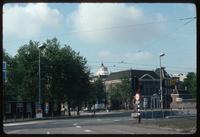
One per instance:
(122,36)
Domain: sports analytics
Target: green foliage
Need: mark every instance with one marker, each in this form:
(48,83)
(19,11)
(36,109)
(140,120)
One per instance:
(191,83)
(120,93)
(64,74)
(13,85)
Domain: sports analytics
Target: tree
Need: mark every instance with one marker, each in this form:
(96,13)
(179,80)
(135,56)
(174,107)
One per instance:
(67,75)
(191,83)
(64,74)
(99,90)
(27,61)
(114,96)
(13,86)
(125,91)
(120,93)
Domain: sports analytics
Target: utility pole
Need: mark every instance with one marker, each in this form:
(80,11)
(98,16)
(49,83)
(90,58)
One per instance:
(39,110)
(161,90)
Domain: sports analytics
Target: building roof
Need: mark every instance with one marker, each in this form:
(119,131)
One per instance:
(127,73)
(166,75)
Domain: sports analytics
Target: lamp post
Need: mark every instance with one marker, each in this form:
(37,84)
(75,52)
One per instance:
(161,92)
(39,83)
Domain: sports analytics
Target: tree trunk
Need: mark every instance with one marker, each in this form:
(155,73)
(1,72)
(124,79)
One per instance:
(94,109)
(78,109)
(69,111)
(52,109)
(59,108)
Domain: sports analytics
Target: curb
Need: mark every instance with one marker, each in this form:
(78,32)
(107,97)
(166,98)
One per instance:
(67,117)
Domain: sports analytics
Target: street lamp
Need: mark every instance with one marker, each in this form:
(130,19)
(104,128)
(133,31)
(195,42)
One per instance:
(39,82)
(161,92)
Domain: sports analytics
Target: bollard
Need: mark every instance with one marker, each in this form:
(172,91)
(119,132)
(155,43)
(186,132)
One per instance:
(139,115)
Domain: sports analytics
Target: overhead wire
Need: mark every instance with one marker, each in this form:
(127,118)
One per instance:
(170,33)
(111,27)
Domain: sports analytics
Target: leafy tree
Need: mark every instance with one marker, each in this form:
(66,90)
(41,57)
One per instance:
(64,74)
(13,86)
(120,93)
(191,83)
(125,91)
(67,76)
(9,94)
(99,90)
(27,61)
(114,96)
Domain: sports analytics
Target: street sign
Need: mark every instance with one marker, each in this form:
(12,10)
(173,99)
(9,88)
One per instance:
(38,113)
(4,70)
(4,75)
(137,97)
(137,102)
(179,99)
(134,115)
(4,65)
(46,107)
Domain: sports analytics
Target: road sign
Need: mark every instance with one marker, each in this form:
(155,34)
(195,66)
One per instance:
(137,97)
(179,99)
(38,113)
(134,115)
(46,107)
(4,75)
(4,65)
(137,102)
(4,70)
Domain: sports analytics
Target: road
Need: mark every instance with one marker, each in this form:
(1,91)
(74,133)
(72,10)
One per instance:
(87,125)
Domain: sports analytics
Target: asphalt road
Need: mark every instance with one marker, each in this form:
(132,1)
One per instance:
(90,125)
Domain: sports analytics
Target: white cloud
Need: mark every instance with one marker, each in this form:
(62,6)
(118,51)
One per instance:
(114,22)
(29,20)
(139,56)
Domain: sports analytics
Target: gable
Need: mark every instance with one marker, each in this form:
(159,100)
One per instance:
(147,76)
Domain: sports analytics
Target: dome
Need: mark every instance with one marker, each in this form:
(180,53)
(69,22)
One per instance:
(102,71)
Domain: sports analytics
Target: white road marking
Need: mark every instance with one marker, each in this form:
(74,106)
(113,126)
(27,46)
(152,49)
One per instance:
(78,126)
(99,119)
(15,131)
(87,130)
(117,120)
(17,124)
(75,124)
(48,132)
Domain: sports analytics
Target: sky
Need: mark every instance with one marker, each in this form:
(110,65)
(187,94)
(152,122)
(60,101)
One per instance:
(122,36)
